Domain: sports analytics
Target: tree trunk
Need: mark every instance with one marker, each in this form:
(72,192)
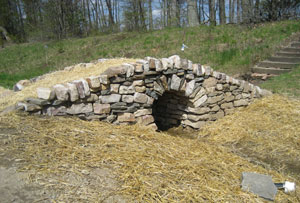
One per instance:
(238,12)
(246,11)
(192,13)
(150,15)
(212,13)
(222,15)
(89,14)
(110,13)
(231,10)
(257,12)
(173,13)
(141,15)
(103,19)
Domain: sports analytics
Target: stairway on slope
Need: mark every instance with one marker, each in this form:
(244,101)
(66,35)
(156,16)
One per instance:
(283,61)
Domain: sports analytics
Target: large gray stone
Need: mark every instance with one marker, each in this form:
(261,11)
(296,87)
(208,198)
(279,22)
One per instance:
(80,109)
(101,108)
(61,92)
(261,185)
(176,61)
(73,92)
(227,105)
(158,66)
(29,107)
(198,70)
(213,100)
(130,70)
(56,111)
(175,83)
(107,99)
(39,102)
(126,117)
(210,82)
(196,118)
(45,93)
(196,125)
(166,63)
(241,102)
(86,87)
(127,98)
(140,89)
(138,83)
(198,111)
(140,98)
(184,64)
(190,86)
(80,88)
(158,88)
(114,88)
(126,89)
(139,68)
(164,82)
(94,82)
(145,120)
(104,79)
(142,112)
(200,101)
(199,94)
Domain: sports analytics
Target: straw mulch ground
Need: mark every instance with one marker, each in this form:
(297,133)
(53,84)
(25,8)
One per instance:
(146,166)
(79,161)
(266,132)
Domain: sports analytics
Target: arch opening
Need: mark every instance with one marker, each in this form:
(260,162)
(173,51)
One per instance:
(168,110)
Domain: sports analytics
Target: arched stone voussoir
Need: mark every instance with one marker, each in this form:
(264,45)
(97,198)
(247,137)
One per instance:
(153,92)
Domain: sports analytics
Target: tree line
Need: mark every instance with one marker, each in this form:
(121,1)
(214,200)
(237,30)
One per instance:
(58,19)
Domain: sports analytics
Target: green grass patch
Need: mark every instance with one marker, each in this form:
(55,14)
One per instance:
(228,48)
(287,83)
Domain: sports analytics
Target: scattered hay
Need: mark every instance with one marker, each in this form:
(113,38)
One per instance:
(62,76)
(267,131)
(149,166)
(5,92)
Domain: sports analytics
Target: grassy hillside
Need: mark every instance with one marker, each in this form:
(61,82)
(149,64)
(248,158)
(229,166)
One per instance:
(229,48)
(288,83)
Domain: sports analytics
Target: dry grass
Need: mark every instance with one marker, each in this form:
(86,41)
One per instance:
(62,76)
(150,166)
(267,131)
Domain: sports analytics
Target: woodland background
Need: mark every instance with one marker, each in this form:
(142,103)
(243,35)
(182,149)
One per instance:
(41,20)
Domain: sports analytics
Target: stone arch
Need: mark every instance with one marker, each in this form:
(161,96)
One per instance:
(188,94)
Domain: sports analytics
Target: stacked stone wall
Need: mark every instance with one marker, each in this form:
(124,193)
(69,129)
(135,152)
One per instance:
(165,92)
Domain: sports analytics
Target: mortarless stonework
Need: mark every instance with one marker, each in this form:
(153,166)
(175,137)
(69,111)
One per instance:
(152,92)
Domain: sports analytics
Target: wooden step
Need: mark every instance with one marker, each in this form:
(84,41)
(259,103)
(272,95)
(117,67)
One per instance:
(295,44)
(273,71)
(272,64)
(287,54)
(291,49)
(284,59)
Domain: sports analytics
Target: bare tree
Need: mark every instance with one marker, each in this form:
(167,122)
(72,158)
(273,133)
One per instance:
(110,13)
(238,11)
(222,15)
(173,13)
(232,4)
(192,13)
(150,15)
(212,12)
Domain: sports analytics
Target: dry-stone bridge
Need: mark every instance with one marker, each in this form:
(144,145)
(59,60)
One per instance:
(157,93)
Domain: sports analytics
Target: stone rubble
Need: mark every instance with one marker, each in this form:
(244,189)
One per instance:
(159,93)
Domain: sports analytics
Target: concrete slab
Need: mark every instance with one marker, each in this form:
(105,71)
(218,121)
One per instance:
(261,185)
